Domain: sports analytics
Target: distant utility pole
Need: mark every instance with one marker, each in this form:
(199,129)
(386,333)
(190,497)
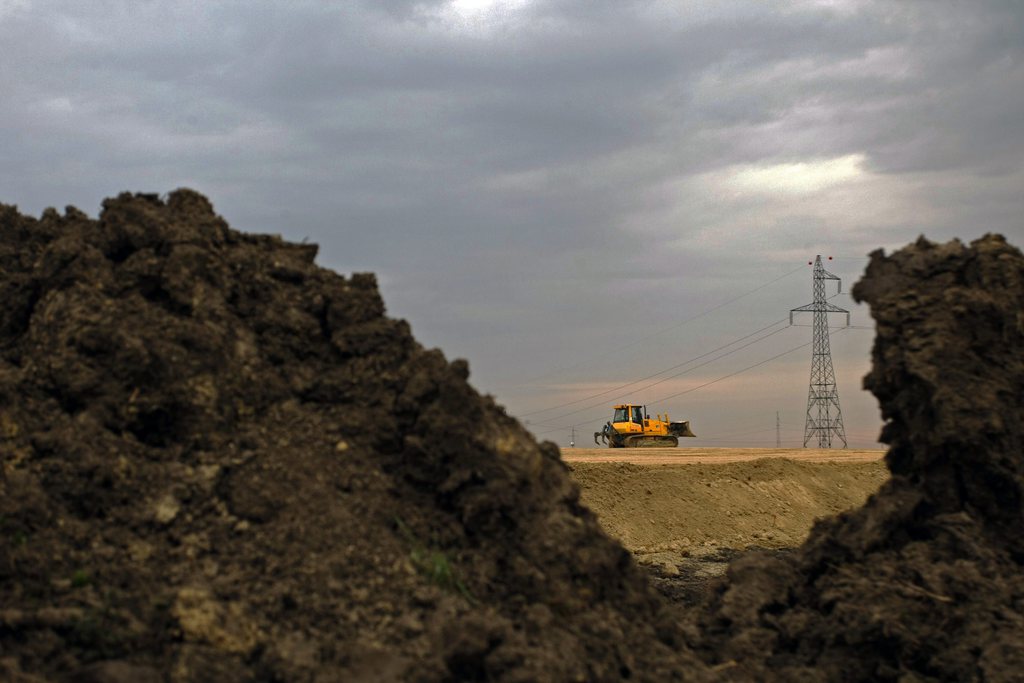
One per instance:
(778,432)
(572,441)
(824,417)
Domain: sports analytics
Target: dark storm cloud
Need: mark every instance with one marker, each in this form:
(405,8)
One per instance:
(533,178)
(588,79)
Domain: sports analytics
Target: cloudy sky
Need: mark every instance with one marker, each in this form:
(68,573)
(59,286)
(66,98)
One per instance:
(591,200)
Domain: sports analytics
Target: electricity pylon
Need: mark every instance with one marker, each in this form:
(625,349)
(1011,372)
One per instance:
(824,417)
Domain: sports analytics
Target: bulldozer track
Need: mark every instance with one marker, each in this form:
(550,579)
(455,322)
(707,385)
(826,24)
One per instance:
(651,442)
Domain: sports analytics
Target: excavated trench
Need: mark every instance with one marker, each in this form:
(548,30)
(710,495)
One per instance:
(221,462)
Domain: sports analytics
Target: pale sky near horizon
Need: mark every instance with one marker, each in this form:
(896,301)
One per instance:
(581,197)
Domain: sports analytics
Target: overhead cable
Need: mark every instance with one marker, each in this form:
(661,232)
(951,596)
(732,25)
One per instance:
(663,331)
(692,389)
(652,376)
(678,374)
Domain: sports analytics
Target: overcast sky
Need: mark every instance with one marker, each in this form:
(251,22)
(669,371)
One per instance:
(575,195)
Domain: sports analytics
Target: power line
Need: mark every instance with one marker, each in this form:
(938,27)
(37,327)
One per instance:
(749,367)
(659,372)
(692,389)
(665,379)
(678,374)
(748,428)
(746,432)
(752,441)
(663,331)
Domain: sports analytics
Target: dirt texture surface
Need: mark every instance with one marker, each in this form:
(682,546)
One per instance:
(221,462)
(925,582)
(666,512)
(700,456)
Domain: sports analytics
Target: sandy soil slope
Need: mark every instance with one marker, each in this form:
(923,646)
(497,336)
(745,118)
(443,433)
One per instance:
(686,520)
(769,502)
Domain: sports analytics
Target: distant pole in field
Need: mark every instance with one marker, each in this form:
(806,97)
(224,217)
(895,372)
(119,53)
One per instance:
(824,417)
(778,432)
(572,441)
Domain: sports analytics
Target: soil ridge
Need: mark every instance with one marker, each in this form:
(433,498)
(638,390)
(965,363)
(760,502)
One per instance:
(925,581)
(222,462)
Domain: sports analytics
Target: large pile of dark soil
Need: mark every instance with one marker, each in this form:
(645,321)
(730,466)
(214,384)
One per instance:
(925,582)
(224,463)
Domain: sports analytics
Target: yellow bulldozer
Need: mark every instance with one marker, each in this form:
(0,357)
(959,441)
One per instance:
(632,427)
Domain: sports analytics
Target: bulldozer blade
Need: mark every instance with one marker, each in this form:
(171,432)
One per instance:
(681,428)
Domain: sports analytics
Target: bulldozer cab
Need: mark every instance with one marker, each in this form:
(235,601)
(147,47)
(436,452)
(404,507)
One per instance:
(629,413)
(628,419)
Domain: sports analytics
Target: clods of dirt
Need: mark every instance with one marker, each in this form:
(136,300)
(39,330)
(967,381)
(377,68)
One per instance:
(221,462)
(925,582)
(689,579)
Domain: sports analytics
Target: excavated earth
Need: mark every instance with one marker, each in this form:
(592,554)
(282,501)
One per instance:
(224,463)
(221,462)
(669,516)
(925,581)
(686,522)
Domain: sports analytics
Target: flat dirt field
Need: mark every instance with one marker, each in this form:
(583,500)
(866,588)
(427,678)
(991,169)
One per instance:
(689,456)
(686,511)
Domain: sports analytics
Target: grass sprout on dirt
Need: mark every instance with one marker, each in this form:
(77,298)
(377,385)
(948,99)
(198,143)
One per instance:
(433,564)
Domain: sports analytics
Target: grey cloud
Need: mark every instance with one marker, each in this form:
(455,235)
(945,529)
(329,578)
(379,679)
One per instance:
(528,181)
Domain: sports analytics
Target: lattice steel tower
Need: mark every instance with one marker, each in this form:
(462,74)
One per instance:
(824,418)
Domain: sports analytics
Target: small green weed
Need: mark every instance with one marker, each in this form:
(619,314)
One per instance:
(80,578)
(433,564)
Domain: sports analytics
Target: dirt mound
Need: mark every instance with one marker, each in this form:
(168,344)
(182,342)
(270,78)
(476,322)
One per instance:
(221,462)
(925,582)
(662,512)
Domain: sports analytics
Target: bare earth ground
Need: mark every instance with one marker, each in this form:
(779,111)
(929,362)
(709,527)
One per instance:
(689,456)
(189,491)
(685,513)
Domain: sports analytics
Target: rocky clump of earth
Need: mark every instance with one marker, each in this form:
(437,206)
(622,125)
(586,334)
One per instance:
(925,582)
(222,462)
